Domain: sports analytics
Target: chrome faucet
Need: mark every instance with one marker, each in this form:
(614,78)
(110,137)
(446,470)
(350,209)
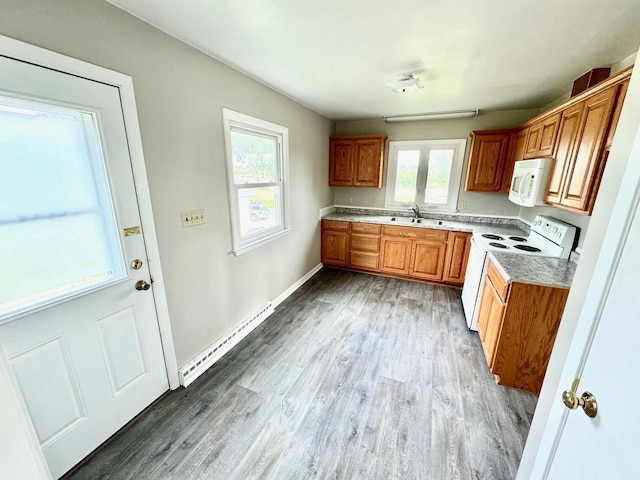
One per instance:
(416,210)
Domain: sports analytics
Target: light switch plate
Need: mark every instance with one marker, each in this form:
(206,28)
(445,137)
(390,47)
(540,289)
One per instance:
(192,218)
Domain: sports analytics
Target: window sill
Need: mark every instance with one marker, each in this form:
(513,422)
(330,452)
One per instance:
(242,249)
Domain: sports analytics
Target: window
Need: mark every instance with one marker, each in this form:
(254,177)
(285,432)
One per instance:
(257,159)
(426,172)
(58,234)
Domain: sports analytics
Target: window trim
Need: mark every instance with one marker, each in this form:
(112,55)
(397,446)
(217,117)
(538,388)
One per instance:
(459,147)
(237,121)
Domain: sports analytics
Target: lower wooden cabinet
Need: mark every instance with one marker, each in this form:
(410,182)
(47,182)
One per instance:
(457,257)
(518,323)
(396,255)
(408,252)
(335,242)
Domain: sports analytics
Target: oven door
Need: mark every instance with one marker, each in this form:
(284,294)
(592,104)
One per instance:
(472,279)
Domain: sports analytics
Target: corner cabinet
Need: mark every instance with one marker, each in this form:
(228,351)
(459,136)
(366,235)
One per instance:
(356,161)
(335,242)
(487,160)
(405,252)
(517,324)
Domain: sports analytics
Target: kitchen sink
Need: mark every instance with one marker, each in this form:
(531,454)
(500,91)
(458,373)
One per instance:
(421,221)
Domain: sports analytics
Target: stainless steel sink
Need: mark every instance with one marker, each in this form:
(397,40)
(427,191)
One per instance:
(421,221)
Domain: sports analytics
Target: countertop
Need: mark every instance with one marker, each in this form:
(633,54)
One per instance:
(552,272)
(500,226)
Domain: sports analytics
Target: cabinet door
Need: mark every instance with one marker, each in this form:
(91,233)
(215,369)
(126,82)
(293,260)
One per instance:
(334,247)
(368,162)
(395,255)
(567,136)
(583,174)
(622,93)
(490,318)
(548,134)
(455,265)
(517,142)
(427,260)
(341,154)
(487,161)
(542,137)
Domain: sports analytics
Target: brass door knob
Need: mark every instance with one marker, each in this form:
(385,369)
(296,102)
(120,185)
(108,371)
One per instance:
(587,401)
(142,285)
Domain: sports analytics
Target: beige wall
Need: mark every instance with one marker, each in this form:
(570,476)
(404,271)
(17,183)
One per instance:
(477,203)
(180,93)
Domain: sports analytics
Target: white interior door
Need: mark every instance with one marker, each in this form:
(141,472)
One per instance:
(83,342)
(604,355)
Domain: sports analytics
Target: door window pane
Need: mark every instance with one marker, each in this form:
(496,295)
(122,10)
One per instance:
(254,158)
(438,175)
(406,175)
(259,210)
(58,234)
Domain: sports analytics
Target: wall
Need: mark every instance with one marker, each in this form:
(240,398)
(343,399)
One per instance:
(628,127)
(477,203)
(180,93)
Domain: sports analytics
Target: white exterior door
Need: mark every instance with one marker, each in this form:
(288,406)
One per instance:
(83,342)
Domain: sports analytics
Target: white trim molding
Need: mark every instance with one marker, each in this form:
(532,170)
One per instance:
(214,352)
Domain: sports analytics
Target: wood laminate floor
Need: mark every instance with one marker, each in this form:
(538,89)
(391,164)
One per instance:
(354,377)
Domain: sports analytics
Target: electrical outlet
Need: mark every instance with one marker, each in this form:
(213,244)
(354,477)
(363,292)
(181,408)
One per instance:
(374,201)
(462,206)
(350,199)
(192,218)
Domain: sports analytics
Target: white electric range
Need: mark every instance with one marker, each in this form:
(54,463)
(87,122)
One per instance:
(548,238)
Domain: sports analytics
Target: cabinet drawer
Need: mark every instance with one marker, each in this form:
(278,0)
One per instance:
(365,243)
(436,236)
(499,283)
(335,225)
(368,228)
(365,261)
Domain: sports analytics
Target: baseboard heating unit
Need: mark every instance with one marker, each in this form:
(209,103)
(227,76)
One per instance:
(214,352)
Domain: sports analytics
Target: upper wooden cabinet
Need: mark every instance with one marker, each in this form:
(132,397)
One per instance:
(580,155)
(356,161)
(487,160)
(541,137)
(576,134)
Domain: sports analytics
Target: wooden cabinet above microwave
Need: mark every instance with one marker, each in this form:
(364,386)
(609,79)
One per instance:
(576,134)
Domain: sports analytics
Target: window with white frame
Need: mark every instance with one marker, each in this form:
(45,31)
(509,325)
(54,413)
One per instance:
(425,172)
(257,154)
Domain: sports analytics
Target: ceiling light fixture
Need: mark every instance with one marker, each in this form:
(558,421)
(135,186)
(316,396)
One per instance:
(432,116)
(405,84)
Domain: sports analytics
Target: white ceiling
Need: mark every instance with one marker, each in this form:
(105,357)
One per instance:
(336,56)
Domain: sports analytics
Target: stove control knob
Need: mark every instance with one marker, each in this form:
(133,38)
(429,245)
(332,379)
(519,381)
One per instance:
(555,229)
(558,235)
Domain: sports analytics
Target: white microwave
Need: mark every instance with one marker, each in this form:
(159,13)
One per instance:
(529,181)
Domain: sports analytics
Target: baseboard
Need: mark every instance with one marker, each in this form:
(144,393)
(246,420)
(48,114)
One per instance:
(284,295)
(214,352)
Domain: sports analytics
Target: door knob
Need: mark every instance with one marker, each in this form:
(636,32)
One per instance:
(587,401)
(142,285)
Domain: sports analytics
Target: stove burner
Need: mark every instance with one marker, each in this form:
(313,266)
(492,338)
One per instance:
(491,236)
(498,245)
(527,248)
(518,239)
